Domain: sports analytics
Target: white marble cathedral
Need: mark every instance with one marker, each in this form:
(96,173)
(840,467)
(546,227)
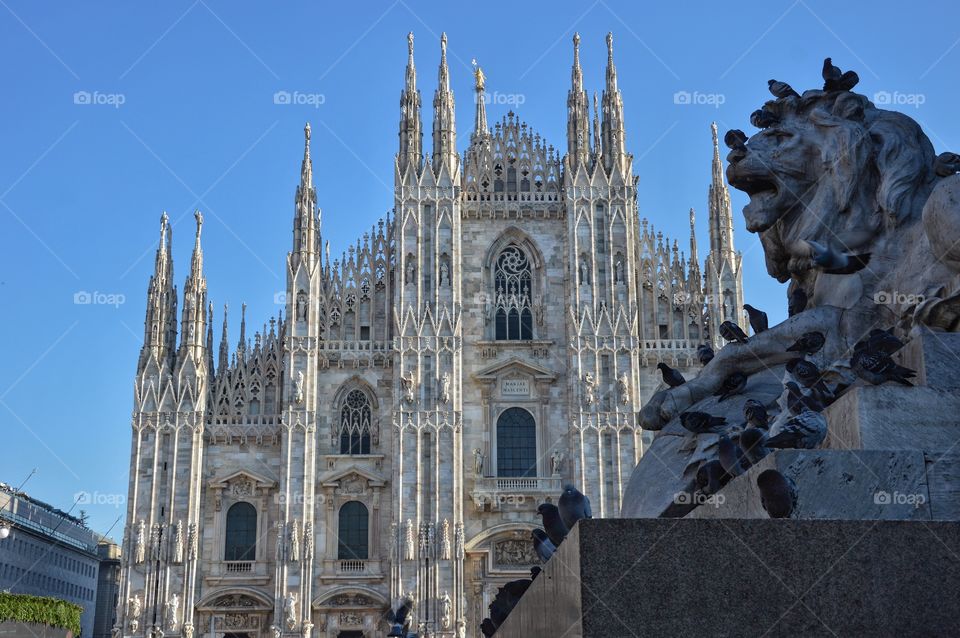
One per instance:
(394,430)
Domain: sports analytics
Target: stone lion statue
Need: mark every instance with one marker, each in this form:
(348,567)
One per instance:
(831,167)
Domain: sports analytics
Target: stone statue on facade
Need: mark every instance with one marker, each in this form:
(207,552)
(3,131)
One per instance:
(408,384)
(623,389)
(410,547)
(446,611)
(276,631)
(444,278)
(134,608)
(478,459)
(298,385)
(290,611)
(187,630)
(556,462)
(192,540)
(178,543)
(308,541)
(171,613)
(294,541)
(411,271)
(444,396)
(589,389)
(445,540)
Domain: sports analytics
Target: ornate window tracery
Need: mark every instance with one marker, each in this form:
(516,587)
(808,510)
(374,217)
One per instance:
(512,284)
(355,415)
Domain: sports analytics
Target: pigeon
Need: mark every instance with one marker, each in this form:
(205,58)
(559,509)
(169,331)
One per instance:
(506,599)
(535,571)
(399,616)
(752,445)
(806,430)
(834,262)
(573,506)
(781,89)
(797,401)
(670,376)
(542,544)
(946,164)
(758,318)
(732,332)
(704,354)
(796,302)
(778,494)
(878,368)
(701,422)
(488,628)
(730,457)
(836,80)
(882,341)
(808,343)
(762,118)
(735,138)
(755,414)
(733,384)
(807,374)
(552,523)
(710,477)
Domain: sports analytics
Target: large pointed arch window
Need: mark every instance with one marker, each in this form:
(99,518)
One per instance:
(355,423)
(516,443)
(512,281)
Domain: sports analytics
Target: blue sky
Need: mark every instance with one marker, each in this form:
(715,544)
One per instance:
(183,117)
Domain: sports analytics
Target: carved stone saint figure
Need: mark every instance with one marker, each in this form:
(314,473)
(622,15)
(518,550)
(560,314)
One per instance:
(408,383)
(410,547)
(444,278)
(290,610)
(140,543)
(589,389)
(295,541)
(171,613)
(187,630)
(584,272)
(411,271)
(446,606)
(556,462)
(478,461)
(618,271)
(445,388)
(623,389)
(299,387)
(445,540)
(134,607)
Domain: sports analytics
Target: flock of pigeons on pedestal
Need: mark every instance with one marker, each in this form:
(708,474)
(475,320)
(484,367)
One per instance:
(804,427)
(558,520)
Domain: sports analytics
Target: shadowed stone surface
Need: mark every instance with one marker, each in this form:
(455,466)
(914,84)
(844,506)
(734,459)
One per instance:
(732,578)
(834,484)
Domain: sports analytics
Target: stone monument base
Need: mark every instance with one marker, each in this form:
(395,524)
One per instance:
(689,577)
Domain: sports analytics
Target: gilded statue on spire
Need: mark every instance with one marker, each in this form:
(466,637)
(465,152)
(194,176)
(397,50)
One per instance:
(478,75)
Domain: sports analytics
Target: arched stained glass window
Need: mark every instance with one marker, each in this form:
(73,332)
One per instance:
(353,531)
(512,283)
(355,423)
(516,443)
(241,537)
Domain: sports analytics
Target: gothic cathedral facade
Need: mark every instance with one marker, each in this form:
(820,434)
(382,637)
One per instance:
(394,430)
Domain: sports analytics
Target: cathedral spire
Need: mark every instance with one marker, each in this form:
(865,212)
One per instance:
(614,145)
(223,361)
(578,112)
(242,344)
(597,145)
(693,238)
(193,316)
(208,344)
(306,220)
(480,122)
(444,126)
(411,133)
(160,323)
(721,215)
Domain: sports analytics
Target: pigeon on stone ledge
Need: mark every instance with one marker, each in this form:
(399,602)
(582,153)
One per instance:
(778,494)
(542,544)
(573,506)
(807,430)
(733,384)
(730,457)
(704,354)
(552,523)
(670,376)
(808,343)
(878,368)
(732,332)
(701,422)
(752,444)
(758,318)
(755,414)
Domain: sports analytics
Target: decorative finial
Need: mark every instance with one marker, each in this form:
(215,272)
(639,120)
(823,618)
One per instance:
(410,43)
(610,43)
(164,221)
(713,129)
(306,131)
(443,43)
(197,215)
(576,40)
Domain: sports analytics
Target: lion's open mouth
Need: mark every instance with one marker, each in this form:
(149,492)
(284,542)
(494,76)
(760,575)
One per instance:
(755,185)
